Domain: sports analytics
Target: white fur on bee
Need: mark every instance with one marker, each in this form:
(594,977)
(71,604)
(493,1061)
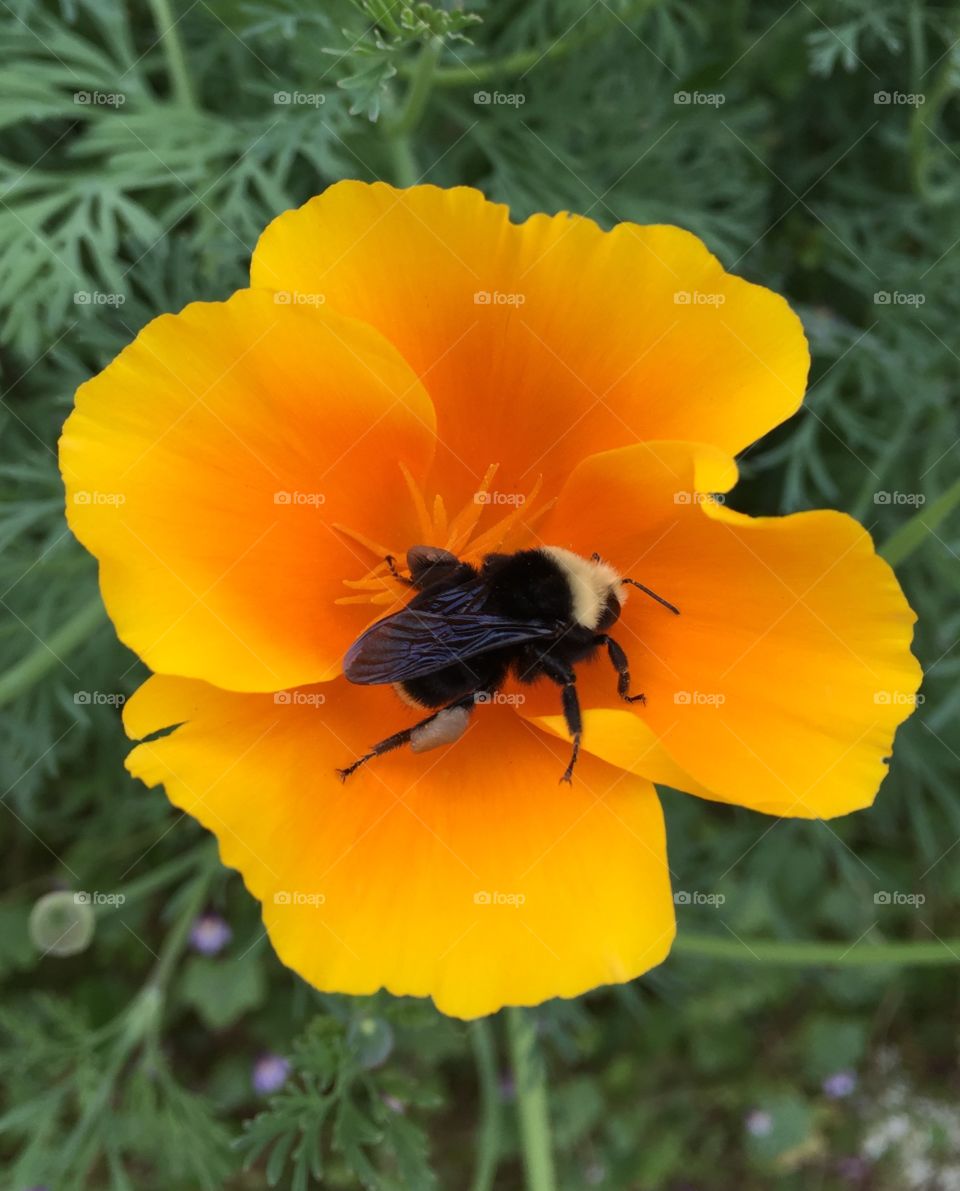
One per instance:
(591,584)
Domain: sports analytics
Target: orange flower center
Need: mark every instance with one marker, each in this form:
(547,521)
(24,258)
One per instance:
(461,534)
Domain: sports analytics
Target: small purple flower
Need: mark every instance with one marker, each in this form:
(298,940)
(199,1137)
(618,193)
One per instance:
(270,1073)
(852,1168)
(840,1084)
(209,934)
(758,1122)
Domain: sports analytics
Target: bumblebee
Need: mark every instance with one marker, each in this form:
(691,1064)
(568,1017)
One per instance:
(533,614)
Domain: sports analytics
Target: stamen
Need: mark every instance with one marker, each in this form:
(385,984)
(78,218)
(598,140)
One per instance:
(382,597)
(420,505)
(367,543)
(380,587)
(439,518)
(466,520)
(493,538)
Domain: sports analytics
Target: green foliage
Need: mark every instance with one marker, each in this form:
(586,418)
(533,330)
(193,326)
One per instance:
(372,59)
(80,1110)
(142,151)
(222,992)
(342,1102)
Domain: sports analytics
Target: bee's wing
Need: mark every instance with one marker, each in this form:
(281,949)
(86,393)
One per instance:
(438,631)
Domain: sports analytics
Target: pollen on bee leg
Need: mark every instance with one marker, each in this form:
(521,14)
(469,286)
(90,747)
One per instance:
(445,727)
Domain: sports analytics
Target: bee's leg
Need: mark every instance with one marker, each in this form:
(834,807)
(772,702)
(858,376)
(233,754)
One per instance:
(392,567)
(618,659)
(565,678)
(406,735)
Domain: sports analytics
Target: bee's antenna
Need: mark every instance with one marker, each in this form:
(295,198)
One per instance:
(653,595)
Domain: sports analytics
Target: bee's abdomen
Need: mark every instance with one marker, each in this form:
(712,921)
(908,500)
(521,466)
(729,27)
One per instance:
(484,672)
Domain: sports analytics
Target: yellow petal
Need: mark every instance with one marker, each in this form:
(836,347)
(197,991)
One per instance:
(782,682)
(623,738)
(469,874)
(545,341)
(206,468)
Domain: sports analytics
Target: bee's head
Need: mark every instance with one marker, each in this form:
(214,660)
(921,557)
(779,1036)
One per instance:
(595,588)
(611,609)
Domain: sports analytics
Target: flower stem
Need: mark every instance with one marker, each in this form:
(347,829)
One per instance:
(176,940)
(532,1105)
(139,1024)
(404,164)
(801,954)
(166,25)
(421,83)
(399,128)
(488,1146)
(920,526)
(204,855)
(20,677)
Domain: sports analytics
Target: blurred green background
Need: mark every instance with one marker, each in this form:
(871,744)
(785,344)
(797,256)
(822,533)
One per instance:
(814,146)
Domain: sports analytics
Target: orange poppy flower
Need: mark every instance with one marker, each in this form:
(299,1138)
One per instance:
(407,367)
